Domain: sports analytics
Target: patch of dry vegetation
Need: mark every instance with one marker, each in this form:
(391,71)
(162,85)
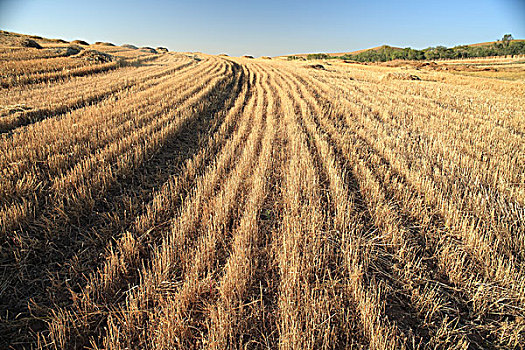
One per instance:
(195,201)
(400,76)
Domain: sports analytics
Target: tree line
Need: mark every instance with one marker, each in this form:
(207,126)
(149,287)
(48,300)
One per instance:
(506,46)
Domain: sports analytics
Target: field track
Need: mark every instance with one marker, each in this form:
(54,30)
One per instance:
(194,201)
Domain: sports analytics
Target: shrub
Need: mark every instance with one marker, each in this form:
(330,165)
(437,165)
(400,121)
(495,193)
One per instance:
(80,42)
(318,56)
(30,43)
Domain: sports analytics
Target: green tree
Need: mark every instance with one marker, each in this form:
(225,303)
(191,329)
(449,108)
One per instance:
(507,38)
(318,56)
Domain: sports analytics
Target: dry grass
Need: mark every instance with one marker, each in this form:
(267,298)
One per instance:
(194,201)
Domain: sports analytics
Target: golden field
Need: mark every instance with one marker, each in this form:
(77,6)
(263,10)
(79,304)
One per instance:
(183,200)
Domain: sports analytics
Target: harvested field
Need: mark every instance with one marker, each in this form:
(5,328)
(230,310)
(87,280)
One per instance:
(183,201)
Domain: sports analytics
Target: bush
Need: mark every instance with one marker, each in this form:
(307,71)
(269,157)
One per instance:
(318,56)
(73,50)
(316,66)
(400,76)
(95,56)
(387,53)
(80,42)
(104,43)
(148,49)
(30,43)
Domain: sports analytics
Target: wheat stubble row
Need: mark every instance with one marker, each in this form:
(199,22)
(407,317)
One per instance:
(49,100)
(108,165)
(308,210)
(85,135)
(511,294)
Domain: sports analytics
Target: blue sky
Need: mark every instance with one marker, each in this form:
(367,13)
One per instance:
(268,27)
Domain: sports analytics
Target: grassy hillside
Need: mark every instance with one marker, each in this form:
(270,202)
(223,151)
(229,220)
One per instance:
(386,53)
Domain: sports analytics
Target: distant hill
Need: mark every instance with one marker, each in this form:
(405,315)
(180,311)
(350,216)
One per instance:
(13,39)
(377,48)
(493,42)
(387,53)
(393,49)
